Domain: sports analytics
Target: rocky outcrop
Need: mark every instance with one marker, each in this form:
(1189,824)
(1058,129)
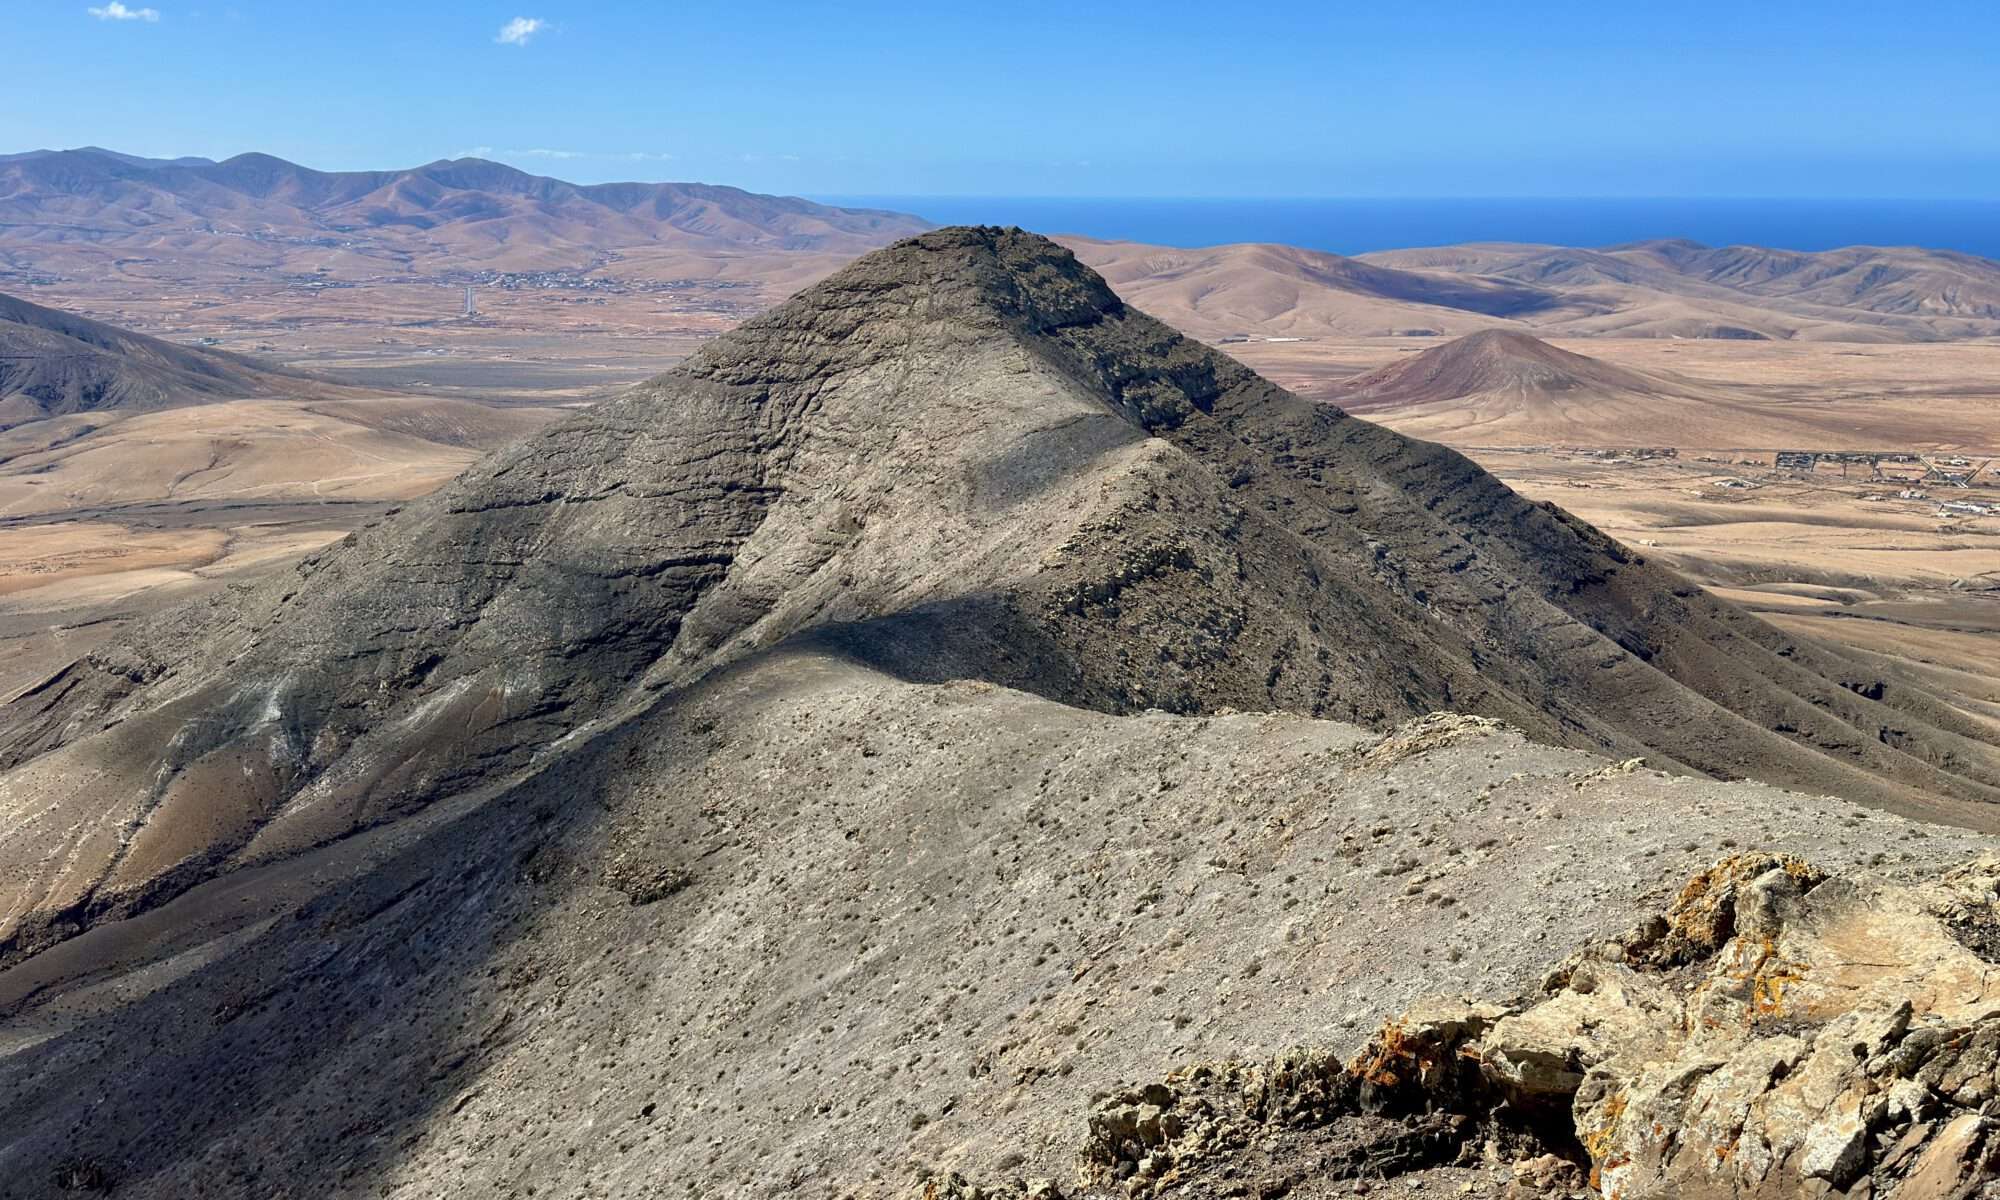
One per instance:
(1172,1136)
(1776,1033)
(1842,1041)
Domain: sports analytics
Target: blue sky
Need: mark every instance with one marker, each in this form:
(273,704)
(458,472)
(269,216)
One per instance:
(1113,99)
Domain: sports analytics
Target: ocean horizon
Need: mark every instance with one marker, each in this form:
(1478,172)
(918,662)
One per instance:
(1357,226)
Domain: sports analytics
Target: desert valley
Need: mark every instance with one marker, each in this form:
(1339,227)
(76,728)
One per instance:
(512,688)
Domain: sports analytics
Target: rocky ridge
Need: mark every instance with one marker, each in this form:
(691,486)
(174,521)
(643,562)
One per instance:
(962,457)
(824,769)
(808,930)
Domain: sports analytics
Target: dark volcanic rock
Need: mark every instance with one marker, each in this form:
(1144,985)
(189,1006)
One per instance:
(961,457)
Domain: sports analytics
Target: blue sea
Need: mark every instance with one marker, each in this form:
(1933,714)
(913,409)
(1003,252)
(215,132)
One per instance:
(1345,226)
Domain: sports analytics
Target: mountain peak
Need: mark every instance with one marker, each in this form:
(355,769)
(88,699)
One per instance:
(964,270)
(1505,341)
(258,160)
(749,647)
(1663,246)
(1491,360)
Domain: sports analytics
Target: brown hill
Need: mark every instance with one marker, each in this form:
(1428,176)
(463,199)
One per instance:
(54,363)
(1269,290)
(1506,388)
(1497,360)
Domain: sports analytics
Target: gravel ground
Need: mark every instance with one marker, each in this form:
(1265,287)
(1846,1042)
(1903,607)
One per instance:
(807,930)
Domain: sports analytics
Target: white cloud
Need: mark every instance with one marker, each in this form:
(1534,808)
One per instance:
(115,11)
(515,32)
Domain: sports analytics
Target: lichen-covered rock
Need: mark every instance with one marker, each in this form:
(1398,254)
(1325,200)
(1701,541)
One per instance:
(1607,1012)
(1703,916)
(1785,1034)
(1421,1056)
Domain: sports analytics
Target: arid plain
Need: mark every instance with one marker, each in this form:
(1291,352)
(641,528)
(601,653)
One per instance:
(1874,562)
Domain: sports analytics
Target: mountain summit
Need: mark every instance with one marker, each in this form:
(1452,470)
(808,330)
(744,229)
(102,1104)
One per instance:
(959,458)
(851,748)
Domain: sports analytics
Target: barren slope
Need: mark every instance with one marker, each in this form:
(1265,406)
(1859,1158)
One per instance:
(240,450)
(53,363)
(1506,388)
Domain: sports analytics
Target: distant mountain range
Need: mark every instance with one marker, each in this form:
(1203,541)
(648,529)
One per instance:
(100,220)
(467,209)
(1683,288)
(130,160)
(1652,289)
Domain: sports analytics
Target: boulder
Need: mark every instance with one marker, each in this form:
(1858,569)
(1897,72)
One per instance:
(1775,1033)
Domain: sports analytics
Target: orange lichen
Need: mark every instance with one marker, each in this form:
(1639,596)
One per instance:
(1598,1142)
(1390,1048)
(1772,976)
(1701,917)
